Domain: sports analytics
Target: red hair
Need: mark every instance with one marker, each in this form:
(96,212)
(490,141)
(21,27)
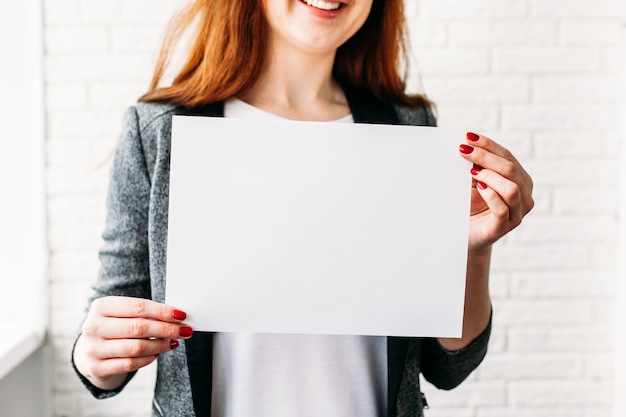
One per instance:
(229,44)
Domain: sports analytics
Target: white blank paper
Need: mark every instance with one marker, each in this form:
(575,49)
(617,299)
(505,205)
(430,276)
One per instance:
(317,228)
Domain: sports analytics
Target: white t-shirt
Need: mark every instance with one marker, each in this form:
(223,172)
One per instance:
(287,375)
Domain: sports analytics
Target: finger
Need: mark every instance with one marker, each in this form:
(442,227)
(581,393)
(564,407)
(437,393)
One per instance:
(483,142)
(508,169)
(131,307)
(518,198)
(478,140)
(117,366)
(134,348)
(492,224)
(139,328)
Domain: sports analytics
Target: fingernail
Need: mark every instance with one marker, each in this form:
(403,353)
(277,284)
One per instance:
(174,344)
(466,149)
(476,169)
(472,136)
(179,315)
(185,331)
(481,185)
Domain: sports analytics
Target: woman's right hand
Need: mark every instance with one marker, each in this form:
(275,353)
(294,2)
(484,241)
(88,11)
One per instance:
(123,334)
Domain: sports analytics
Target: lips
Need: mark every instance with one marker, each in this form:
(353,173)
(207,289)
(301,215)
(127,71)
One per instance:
(323,5)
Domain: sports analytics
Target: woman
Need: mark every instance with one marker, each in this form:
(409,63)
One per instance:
(309,60)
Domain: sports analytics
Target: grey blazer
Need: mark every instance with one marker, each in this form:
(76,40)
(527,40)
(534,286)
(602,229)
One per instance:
(133,260)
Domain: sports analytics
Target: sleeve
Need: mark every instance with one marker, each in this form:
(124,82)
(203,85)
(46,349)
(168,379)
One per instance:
(445,368)
(124,264)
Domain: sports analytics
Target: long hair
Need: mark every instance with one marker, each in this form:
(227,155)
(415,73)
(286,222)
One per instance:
(229,44)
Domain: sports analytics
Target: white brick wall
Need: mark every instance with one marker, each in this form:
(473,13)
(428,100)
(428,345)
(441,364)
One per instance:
(543,77)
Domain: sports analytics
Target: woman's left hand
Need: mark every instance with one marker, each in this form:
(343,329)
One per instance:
(501,191)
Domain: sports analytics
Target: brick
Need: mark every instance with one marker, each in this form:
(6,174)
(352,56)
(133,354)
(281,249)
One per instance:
(66,404)
(588,200)
(100,12)
(608,170)
(64,379)
(87,210)
(457,61)
(476,393)
(603,256)
(499,285)
(65,96)
(592,32)
(480,89)
(543,256)
(497,340)
(559,172)
(586,88)
(503,32)
(72,266)
(65,323)
(469,9)
(527,410)
(74,236)
(560,117)
(472,118)
(97,67)
(69,295)
(613,59)
(112,97)
(428,34)
(597,411)
(134,38)
(444,411)
(73,125)
(563,285)
(570,144)
(566,338)
(526,60)
(61,12)
(598,366)
(76,40)
(64,153)
(148,11)
(577,229)
(540,312)
(543,200)
(129,402)
(70,181)
(560,393)
(514,367)
(604,311)
(578,8)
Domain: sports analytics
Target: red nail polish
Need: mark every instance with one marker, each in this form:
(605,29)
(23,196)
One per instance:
(179,315)
(174,344)
(466,149)
(472,136)
(185,331)
(481,185)
(475,170)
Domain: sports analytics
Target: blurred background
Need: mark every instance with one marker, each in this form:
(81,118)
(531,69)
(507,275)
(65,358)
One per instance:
(543,77)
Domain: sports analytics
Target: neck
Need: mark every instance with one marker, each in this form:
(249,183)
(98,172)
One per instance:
(298,85)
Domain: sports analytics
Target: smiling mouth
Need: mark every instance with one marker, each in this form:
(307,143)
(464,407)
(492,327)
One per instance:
(323,5)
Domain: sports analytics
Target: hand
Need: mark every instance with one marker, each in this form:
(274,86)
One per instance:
(501,191)
(123,334)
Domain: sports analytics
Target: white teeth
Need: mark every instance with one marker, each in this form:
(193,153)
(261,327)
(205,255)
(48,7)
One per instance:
(324,5)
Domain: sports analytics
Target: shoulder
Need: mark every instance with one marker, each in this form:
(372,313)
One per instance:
(147,116)
(416,116)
